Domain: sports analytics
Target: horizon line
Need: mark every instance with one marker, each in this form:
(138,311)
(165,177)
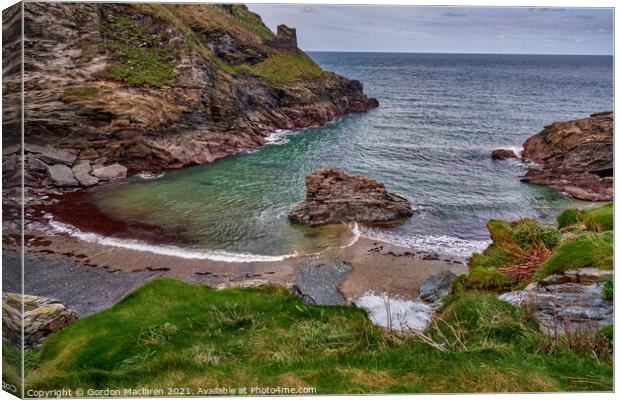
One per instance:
(439,52)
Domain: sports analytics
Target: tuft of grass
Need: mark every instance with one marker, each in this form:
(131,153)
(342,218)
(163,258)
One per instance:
(599,219)
(193,336)
(608,289)
(528,233)
(587,249)
(484,319)
(481,278)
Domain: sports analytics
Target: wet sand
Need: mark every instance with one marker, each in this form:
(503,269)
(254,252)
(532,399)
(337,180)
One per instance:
(91,276)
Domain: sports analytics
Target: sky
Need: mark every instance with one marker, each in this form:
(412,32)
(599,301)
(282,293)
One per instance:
(446,29)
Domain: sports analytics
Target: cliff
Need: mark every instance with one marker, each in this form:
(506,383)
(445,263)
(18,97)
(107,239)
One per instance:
(153,86)
(575,156)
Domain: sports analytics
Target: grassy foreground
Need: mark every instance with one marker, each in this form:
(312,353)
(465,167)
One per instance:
(173,334)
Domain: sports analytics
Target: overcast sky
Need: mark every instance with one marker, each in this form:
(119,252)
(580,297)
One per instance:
(446,29)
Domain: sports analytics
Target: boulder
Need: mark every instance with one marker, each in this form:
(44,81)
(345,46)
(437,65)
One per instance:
(437,286)
(576,157)
(503,154)
(42,317)
(81,172)
(61,175)
(110,172)
(50,155)
(334,196)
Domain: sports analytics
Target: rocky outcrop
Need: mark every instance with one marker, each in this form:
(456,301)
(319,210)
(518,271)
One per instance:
(503,154)
(334,196)
(285,40)
(164,86)
(42,317)
(565,307)
(576,157)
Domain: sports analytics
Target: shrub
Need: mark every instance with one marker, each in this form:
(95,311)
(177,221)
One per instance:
(608,289)
(587,249)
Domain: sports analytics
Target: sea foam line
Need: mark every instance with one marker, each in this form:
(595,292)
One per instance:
(164,250)
(442,244)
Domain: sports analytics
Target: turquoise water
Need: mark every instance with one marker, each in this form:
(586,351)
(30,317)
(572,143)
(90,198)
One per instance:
(430,140)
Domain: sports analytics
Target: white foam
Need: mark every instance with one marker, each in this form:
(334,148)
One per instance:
(150,176)
(441,244)
(164,250)
(356,235)
(278,137)
(397,314)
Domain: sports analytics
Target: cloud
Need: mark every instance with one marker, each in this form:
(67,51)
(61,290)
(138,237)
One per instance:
(308,9)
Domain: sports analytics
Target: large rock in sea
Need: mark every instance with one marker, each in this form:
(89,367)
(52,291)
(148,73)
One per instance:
(42,317)
(576,157)
(334,196)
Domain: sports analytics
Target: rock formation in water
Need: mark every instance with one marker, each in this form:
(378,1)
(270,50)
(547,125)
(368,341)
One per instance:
(334,196)
(576,157)
(153,86)
(503,154)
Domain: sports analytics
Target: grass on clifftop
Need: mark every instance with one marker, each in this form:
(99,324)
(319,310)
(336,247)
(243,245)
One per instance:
(174,334)
(140,58)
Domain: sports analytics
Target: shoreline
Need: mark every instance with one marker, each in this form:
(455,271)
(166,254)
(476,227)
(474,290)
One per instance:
(372,266)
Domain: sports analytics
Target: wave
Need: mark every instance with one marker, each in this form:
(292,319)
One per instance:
(150,176)
(164,250)
(442,244)
(278,137)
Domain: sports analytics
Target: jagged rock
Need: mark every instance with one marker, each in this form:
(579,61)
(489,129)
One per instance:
(566,306)
(61,175)
(437,286)
(42,317)
(318,283)
(502,154)
(50,155)
(110,172)
(195,114)
(576,157)
(581,275)
(334,196)
(81,171)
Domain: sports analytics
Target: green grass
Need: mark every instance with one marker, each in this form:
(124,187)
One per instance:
(173,334)
(587,249)
(608,289)
(140,59)
(599,219)
(283,67)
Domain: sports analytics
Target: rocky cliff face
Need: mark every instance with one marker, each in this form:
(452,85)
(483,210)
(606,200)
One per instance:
(153,86)
(575,156)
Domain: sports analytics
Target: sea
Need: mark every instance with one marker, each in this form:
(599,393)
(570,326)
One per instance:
(430,140)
